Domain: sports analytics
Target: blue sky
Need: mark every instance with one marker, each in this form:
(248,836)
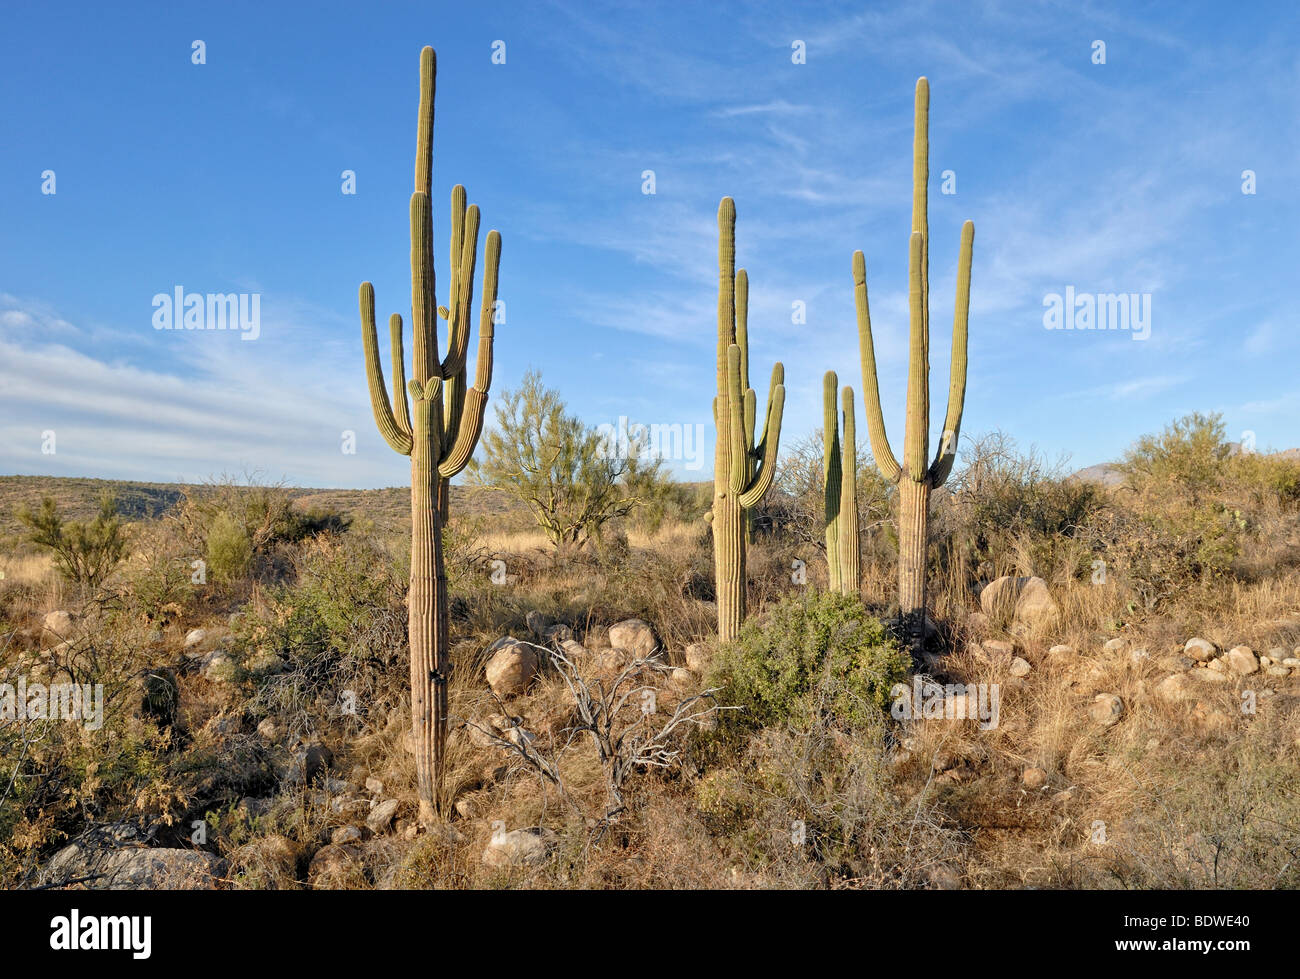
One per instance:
(225,177)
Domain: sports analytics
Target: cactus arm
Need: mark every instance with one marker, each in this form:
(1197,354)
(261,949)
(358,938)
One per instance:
(880,449)
(957,382)
(401,413)
(916,440)
(850,555)
(765,454)
(464,252)
(470,420)
(424,308)
(384,417)
(739,451)
(831,477)
(742,325)
(751,413)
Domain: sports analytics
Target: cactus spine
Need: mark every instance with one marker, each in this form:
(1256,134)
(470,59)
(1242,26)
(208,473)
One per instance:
(839,478)
(438,429)
(742,469)
(916,476)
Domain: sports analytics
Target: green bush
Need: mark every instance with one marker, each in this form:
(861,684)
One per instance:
(820,654)
(85,553)
(230,551)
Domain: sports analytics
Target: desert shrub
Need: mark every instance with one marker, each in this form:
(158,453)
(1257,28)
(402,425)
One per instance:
(339,626)
(572,478)
(229,549)
(778,667)
(85,553)
(1186,458)
(1010,511)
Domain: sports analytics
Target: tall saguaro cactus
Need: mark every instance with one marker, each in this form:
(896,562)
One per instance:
(742,469)
(916,476)
(839,478)
(438,429)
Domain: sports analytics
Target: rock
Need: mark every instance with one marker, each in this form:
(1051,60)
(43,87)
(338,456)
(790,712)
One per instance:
(216,666)
(1241,660)
(512,667)
(374,785)
(268,730)
(558,635)
(944,877)
(1208,676)
(270,859)
(1020,667)
(1106,709)
(1178,664)
(223,725)
(1138,655)
(1291,662)
(1034,778)
(59,622)
(466,809)
(697,657)
(519,848)
(1277,654)
(307,763)
(381,817)
(1115,645)
(1174,688)
(349,834)
(537,623)
(683,677)
(336,865)
(636,636)
(1200,649)
(1025,600)
(133,868)
(1278,671)
(997,650)
(195,637)
(1219,665)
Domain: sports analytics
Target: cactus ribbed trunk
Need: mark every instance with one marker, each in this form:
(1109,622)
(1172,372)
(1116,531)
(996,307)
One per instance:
(913,526)
(438,426)
(427,621)
(917,476)
(742,470)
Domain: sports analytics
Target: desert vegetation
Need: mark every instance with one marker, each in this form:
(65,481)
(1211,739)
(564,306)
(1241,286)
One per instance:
(256,722)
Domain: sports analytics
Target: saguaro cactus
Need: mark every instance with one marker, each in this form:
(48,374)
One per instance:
(438,430)
(839,478)
(916,476)
(742,469)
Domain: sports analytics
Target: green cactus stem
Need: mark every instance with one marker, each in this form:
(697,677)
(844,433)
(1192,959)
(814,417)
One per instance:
(438,428)
(742,468)
(917,476)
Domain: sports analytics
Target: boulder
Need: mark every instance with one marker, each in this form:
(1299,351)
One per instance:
(1115,645)
(1024,600)
(1034,778)
(1020,667)
(1106,709)
(511,667)
(1200,650)
(1242,660)
(59,622)
(381,817)
(636,636)
(697,657)
(519,848)
(270,859)
(132,868)
(195,637)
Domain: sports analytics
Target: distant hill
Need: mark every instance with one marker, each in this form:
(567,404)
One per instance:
(1108,474)
(78,499)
